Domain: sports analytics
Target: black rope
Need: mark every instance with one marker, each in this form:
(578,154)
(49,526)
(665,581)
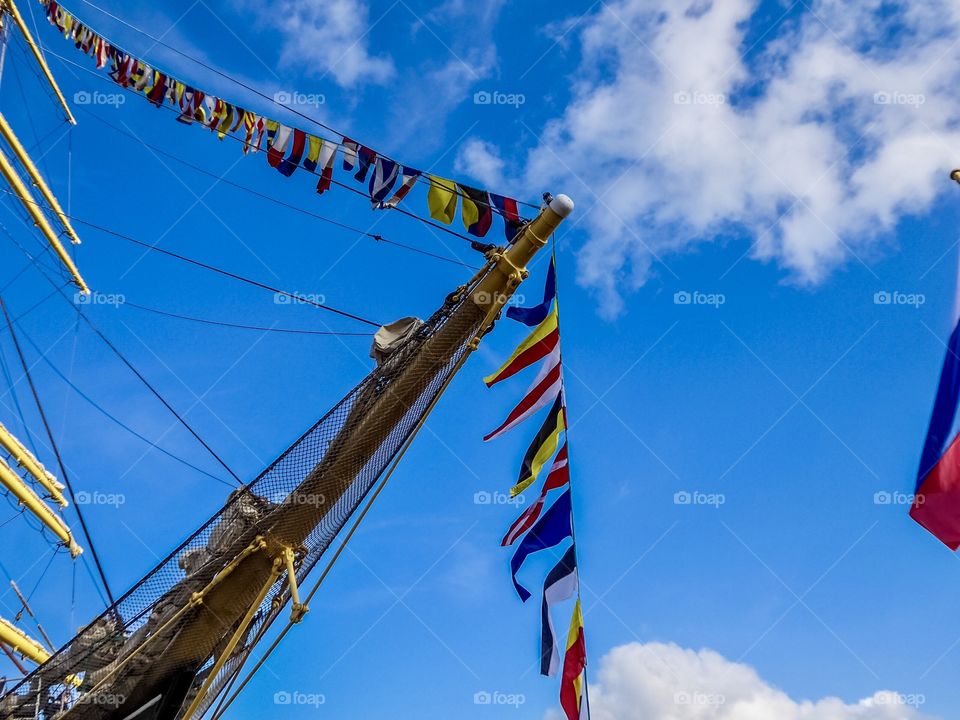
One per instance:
(241,278)
(156,393)
(40,579)
(56,451)
(259,328)
(136,372)
(112,417)
(16,401)
(153,248)
(16,277)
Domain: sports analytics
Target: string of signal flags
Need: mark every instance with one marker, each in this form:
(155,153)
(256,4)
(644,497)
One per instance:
(538,529)
(289,148)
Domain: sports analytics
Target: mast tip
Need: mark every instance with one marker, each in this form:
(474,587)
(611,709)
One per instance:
(562,205)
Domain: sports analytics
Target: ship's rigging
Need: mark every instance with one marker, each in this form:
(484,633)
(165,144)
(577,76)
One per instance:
(176,642)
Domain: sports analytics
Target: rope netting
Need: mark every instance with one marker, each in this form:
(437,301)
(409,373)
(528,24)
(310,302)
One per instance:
(162,639)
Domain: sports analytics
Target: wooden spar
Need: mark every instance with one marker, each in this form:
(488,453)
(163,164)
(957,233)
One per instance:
(29,499)
(367,427)
(11,8)
(26,606)
(28,462)
(13,658)
(38,182)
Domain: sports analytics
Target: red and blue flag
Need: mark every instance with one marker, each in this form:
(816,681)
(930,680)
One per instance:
(936,505)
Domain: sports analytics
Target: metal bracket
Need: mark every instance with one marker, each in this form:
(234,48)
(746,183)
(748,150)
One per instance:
(297,608)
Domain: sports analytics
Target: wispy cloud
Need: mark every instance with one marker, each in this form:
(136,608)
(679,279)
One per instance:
(326,38)
(837,126)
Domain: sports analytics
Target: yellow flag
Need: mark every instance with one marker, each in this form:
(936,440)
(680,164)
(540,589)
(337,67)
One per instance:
(542,448)
(537,346)
(442,199)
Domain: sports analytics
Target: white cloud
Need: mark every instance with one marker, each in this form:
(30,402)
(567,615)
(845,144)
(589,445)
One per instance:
(480,159)
(657,681)
(671,137)
(325,38)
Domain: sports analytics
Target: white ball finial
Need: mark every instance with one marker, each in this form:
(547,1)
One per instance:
(562,205)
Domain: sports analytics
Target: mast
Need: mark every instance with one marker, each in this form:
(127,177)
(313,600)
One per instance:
(22,644)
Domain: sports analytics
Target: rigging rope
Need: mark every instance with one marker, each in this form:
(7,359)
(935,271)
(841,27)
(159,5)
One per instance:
(136,372)
(256,283)
(8,377)
(259,328)
(113,418)
(56,452)
(16,277)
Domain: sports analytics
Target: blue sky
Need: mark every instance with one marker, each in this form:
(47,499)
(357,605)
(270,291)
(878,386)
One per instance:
(787,161)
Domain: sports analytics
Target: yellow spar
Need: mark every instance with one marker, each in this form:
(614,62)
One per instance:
(28,462)
(11,8)
(33,207)
(29,499)
(25,646)
(21,643)
(36,178)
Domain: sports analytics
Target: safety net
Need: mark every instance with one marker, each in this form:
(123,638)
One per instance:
(153,651)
